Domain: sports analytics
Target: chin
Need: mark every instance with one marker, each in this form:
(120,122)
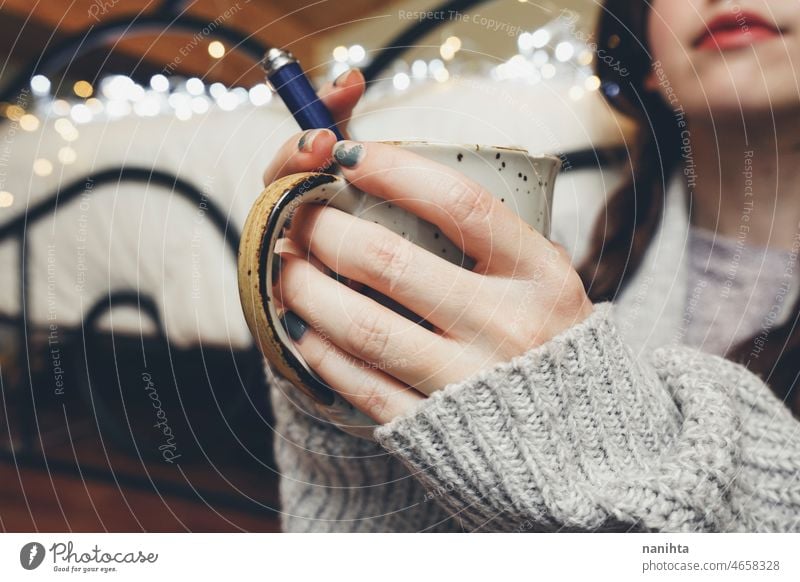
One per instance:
(747,82)
(726,92)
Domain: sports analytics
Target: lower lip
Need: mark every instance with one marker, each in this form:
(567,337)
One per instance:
(736,38)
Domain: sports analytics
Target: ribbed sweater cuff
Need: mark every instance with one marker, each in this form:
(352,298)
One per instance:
(530,443)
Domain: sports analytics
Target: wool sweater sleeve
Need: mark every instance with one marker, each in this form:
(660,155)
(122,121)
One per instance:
(581,434)
(331,481)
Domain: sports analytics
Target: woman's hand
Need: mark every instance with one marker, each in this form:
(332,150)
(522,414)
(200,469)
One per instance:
(521,292)
(310,150)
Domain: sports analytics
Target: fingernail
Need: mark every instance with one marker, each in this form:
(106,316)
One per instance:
(277,265)
(348,153)
(306,141)
(342,78)
(293,325)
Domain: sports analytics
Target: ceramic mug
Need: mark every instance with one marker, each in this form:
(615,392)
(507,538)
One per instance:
(522,181)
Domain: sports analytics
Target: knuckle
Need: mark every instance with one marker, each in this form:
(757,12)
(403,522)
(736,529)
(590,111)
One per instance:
(468,203)
(561,251)
(284,162)
(387,260)
(372,395)
(522,336)
(319,359)
(573,294)
(368,336)
(291,280)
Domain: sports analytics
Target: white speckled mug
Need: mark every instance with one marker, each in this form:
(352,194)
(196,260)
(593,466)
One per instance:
(522,181)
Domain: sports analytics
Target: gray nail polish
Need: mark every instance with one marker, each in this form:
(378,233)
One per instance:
(293,325)
(277,265)
(348,153)
(306,141)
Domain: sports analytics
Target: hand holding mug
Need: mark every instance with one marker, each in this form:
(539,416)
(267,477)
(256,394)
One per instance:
(372,303)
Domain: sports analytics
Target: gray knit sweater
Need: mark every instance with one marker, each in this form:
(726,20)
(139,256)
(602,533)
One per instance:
(612,425)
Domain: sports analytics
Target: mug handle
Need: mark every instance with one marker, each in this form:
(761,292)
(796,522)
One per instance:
(266,222)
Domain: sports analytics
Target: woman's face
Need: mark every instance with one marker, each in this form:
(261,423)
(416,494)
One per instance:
(726,57)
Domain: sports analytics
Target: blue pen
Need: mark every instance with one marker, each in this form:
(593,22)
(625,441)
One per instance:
(287,78)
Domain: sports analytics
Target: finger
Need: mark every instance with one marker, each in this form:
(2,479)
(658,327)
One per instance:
(373,392)
(307,151)
(561,251)
(433,288)
(472,218)
(288,246)
(364,328)
(342,95)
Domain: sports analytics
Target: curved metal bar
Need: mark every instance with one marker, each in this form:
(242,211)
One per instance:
(74,189)
(62,53)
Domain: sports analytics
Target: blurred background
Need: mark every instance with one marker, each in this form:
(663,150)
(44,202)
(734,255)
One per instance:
(134,136)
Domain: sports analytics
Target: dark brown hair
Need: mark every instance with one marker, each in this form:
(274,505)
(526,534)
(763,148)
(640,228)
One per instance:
(625,229)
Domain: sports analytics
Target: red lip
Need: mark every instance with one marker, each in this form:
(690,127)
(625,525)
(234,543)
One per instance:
(730,31)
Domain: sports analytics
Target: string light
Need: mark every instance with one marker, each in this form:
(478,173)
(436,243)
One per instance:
(419,69)
(592,83)
(356,53)
(525,41)
(6,199)
(550,51)
(447,52)
(450,47)
(259,94)
(544,53)
(66,130)
(29,122)
(216,90)
(159,83)
(63,125)
(241,95)
(228,101)
(149,106)
(14,112)
(40,85)
(454,42)
(216,49)
(540,38)
(195,87)
(60,107)
(83,89)
(564,51)
(184,114)
(345,57)
(401,81)
(95,105)
(80,113)
(67,155)
(200,105)
(42,167)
